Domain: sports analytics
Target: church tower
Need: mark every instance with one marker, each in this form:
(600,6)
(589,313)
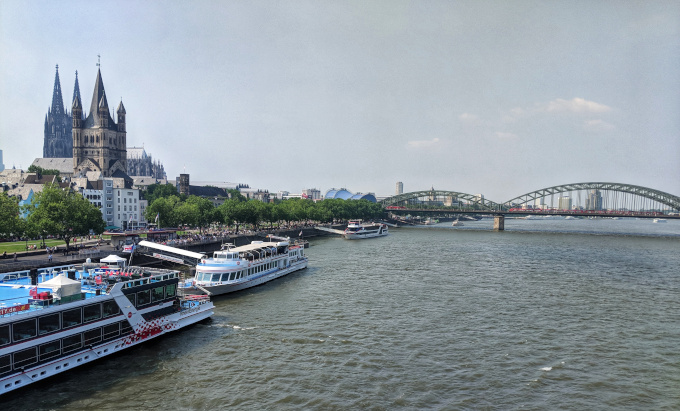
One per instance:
(99,144)
(58,141)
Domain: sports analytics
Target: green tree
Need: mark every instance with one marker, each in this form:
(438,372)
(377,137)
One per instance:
(42,171)
(11,224)
(155,191)
(206,211)
(62,213)
(164,207)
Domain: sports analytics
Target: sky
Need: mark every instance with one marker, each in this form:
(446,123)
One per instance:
(493,97)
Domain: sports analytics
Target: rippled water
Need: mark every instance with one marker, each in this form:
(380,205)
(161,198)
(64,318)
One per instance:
(547,315)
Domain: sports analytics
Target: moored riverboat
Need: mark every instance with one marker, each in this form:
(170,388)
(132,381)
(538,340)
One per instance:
(237,268)
(356,230)
(71,318)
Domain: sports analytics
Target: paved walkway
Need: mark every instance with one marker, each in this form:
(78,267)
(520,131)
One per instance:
(40,258)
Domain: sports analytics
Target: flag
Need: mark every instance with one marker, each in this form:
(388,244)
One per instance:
(157,215)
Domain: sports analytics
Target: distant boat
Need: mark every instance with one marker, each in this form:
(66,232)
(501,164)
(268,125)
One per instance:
(431,221)
(659,220)
(457,223)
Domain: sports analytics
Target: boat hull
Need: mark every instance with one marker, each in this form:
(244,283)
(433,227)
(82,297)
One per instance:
(360,236)
(231,287)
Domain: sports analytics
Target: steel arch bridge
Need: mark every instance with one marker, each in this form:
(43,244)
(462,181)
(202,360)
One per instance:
(615,196)
(653,196)
(470,202)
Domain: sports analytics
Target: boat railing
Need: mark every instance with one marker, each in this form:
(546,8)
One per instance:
(152,279)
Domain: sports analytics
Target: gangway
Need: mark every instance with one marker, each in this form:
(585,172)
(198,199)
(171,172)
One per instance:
(330,230)
(167,253)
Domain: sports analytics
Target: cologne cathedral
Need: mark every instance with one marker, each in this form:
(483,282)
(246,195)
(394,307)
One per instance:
(58,124)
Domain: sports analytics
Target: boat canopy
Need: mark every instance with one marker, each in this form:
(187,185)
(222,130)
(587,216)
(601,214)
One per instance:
(174,250)
(62,286)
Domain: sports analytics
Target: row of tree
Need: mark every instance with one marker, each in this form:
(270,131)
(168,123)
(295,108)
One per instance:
(193,211)
(63,213)
(53,212)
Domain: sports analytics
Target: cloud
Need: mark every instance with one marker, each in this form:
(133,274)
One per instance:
(417,144)
(598,125)
(575,105)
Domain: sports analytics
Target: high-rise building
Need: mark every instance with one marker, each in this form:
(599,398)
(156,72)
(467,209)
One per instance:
(594,200)
(58,141)
(564,203)
(400,188)
(99,143)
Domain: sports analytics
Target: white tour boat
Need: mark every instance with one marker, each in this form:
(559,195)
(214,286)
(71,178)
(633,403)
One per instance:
(457,223)
(237,268)
(659,220)
(69,318)
(355,230)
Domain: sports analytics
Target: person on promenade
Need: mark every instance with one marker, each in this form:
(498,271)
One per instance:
(49,258)
(4,254)
(15,257)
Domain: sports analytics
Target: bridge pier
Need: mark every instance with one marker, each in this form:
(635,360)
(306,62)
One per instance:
(499,223)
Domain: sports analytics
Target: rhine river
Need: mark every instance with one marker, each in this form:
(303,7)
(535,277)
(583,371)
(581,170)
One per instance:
(548,315)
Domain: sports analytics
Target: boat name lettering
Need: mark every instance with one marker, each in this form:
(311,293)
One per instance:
(15,309)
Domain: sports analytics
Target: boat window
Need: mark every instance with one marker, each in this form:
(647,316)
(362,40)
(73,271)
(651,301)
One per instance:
(50,350)
(48,323)
(92,336)
(111,331)
(4,335)
(216,277)
(92,312)
(143,298)
(125,328)
(5,364)
(157,294)
(225,277)
(71,343)
(132,299)
(232,276)
(23,329)
(71,317)
(25,357)
(110,308)
(170,290)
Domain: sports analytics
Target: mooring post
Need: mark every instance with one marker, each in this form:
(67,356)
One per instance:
(499,223)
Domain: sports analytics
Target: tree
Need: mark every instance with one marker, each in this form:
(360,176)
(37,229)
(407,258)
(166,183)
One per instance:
(42,171)
(206,211)
(155,191)
(62,213)
(164,207)
(11,224)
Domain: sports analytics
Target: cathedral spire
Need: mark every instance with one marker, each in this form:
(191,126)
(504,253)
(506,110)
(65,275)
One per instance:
(57,100)
(76,93)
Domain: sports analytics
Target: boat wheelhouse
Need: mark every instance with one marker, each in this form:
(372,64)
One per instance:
(52,321)
(237,268)
(355,230)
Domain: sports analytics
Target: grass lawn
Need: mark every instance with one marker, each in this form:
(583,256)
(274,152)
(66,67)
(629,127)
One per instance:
(19,246)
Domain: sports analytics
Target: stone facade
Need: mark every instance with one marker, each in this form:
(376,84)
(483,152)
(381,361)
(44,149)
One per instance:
(141,164)
(99,143)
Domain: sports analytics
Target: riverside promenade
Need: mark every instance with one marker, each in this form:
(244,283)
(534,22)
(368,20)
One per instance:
(27,260)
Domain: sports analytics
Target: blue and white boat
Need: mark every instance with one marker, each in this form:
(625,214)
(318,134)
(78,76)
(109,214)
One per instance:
(56,320)
(237,268)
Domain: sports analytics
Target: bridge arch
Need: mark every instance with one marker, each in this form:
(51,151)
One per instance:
(620,195)
(462,201)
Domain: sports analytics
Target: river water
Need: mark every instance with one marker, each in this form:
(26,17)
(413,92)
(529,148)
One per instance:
(550,314)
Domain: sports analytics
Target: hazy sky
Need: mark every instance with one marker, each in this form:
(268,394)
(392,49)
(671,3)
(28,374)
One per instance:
(492,97)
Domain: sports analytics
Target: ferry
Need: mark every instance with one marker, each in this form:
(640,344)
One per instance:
(355,230)
(659,220)
(54,320)
(237,268)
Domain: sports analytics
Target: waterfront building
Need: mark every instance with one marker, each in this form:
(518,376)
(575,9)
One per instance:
(594,200)
(347,195)
(58,138)
(564,203)
(400,188)
(311,193)
(99,142)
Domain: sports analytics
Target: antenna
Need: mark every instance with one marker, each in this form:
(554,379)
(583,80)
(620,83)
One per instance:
(99,60)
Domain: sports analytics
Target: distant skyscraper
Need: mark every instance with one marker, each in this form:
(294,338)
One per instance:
(564,203)
(400,187)
(594,200)
(58,123)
